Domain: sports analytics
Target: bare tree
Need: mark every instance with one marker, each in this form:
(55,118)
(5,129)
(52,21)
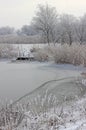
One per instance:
(67,30)
(45,22)
(80,29)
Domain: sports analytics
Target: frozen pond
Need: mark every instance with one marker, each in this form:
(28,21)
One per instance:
(17,79)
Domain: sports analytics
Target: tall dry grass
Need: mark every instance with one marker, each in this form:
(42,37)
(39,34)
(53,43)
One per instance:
(74,54)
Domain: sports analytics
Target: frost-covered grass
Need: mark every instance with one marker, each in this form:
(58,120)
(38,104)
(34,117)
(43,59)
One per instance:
(45,113)
(74,54)
(63,117)
(8,51)
(13,115)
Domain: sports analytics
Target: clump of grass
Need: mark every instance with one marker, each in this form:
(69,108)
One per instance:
(12,115)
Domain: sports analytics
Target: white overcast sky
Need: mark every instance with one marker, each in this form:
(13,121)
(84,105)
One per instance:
(16,13)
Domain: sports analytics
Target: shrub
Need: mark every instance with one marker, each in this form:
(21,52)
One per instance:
(8,51)
(41,55)
(74,54)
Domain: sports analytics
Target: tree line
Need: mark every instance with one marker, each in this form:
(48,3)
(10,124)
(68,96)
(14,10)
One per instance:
(57,28)
(53,27)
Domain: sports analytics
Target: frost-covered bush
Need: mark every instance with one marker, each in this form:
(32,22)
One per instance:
(40,55)
(45,53)
(61,54)
(69,54)
(74,54)
(11,117)
(8,51)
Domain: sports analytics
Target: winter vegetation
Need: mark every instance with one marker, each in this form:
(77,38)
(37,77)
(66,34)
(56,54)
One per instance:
(50,26)
(8,51)
(64,39)
(74,54)
(61,117)
(15,39)
(56,28)
(45,113)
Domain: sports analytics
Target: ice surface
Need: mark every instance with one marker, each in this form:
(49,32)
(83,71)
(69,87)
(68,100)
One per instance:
(16,79)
